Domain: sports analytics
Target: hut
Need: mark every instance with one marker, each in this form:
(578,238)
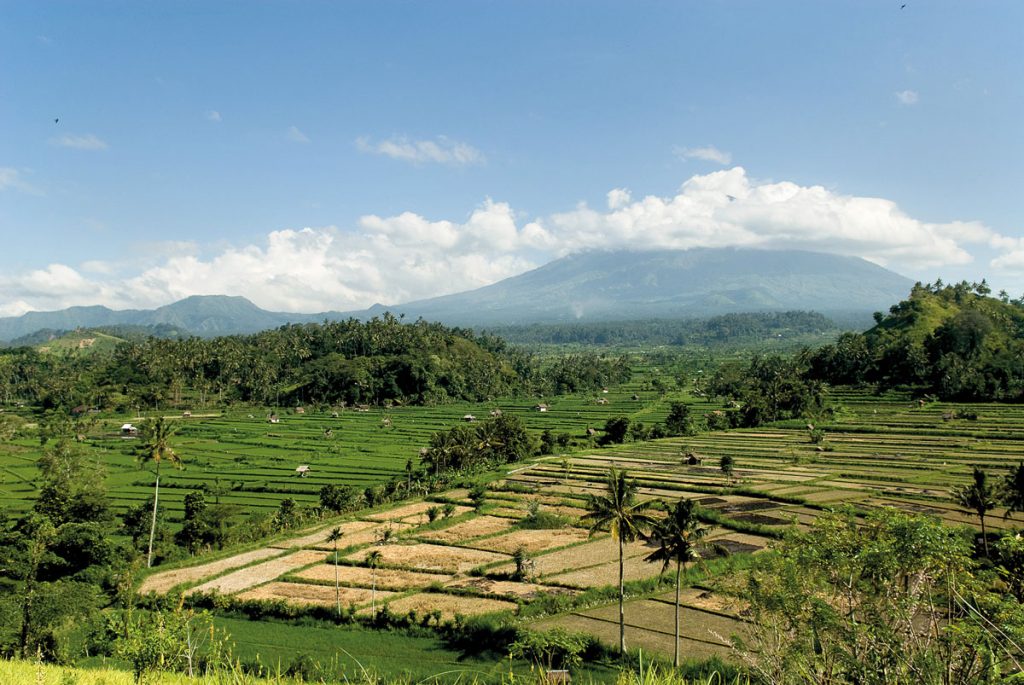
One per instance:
(495,413)
(273,418)
(128,430)
(540,407)
(186,414)
(302,470)
(300,410)
(469,418)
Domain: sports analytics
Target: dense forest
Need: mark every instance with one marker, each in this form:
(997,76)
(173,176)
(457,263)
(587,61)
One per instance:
(728,328)
(380,361)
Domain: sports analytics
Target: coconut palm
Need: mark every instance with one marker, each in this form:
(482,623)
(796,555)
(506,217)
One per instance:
(156,447)
(979,497)
(619,513)
(373,560)
(677,536)
(334,536)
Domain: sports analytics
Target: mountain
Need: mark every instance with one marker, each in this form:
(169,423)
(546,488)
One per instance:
(203,315)
(665,284)
(590,286)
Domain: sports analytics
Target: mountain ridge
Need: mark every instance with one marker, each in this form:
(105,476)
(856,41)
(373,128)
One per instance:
(588,286)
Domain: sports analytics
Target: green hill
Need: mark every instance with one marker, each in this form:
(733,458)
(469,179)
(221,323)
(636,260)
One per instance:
(955,341)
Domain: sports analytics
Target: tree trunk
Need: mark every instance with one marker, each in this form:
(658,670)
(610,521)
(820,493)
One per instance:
(622,597)
(984,535)
(337,591)
(675,653)
(152,525)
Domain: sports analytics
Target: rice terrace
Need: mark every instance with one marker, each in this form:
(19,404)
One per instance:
(511,343)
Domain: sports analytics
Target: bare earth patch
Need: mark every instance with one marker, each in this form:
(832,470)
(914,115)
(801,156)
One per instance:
(466,530)
(163,582)
(510,589)
(534,540)
(433,557)
(260,573)
(320,595)
(387,578)
(448,605)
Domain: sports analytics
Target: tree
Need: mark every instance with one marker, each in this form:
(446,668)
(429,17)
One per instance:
(373,560)
(980,497)
(615,430)
(678,421)
(677,536)
(891,598)
(727,464)
(333,538)
(156,447)
(627,520)
(1013,490)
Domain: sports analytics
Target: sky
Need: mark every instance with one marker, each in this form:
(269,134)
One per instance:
(317,156)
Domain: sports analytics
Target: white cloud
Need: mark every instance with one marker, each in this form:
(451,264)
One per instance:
(296,136)
(441,150)
(708,153)
(87,142)
(907,97)
(11,178)
(404,257)
(214,116)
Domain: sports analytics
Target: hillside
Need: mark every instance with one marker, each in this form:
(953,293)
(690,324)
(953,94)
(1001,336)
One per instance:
(952,340)
(625,285)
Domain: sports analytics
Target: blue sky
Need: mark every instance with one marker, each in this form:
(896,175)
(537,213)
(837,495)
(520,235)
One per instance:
(315,155)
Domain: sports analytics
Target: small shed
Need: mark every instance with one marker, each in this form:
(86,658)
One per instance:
(186,414)
(302,470)
(540,407)
(495,413)
(300,410)
(693,459)
(273,418)
(469,418)
(129,430)
(602,400)
(635,397)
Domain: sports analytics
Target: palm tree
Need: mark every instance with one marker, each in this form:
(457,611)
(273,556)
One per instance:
(979,497)
(156,447)
(334,537)
(1013,490)
(619,513)
(373,560)
(677,536)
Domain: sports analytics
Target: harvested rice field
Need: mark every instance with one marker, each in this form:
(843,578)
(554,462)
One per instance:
(164,581)
(247,577)
(467,530)
(308,594)
(441,558)
(448,605)
(362,576)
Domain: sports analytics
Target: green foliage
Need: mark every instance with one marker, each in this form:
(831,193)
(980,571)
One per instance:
(769,389)
(951,340)
(551,649)
(489,443)
(980,497)
(615,431)
(895,598)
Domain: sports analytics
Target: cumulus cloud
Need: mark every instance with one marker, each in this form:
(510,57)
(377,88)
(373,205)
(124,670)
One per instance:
(907,97)
(296,136)
(214,116)
(87,142)
(407,256)
(441,150)
(708,153)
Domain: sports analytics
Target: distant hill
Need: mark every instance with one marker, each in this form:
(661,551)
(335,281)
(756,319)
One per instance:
(666,284)
(590,286)
(202,315)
